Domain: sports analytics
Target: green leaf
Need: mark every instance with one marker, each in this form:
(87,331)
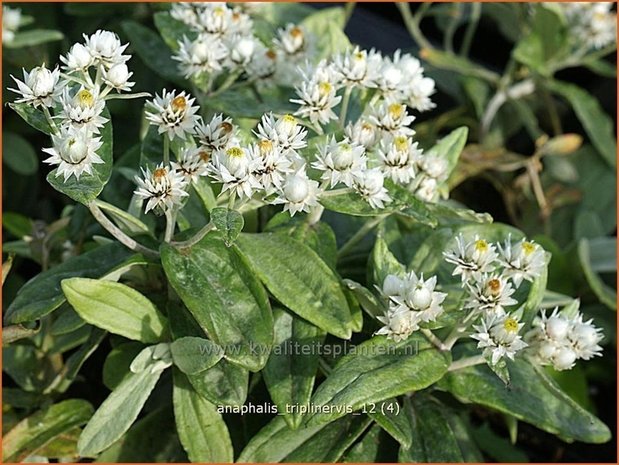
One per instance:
(597,124)
(224,297)
(117,413)
(228,222)
(42,294)
(195,354)
(383,262)
(291,369)
(200,427)
(18,154)
(276,442)
(67,321)
(438,435)
(390,416)
(33,37)
(367,449)
(601,67)
(299,279)
(32,116)
(606,294)
(116,308)
(531,397)
(89,186)
(327,26)
(450,61)
(153,51)
(377,370)
(40,428)
(124,220)
(172,30)
(117,363)
(497,447)
(450,147)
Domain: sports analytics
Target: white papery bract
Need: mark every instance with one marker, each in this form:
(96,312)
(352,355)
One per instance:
(524,260)
(591,23)
(363,133)
(471,259)
(11,19)
(369,184)
(174,115)
(412,302)
(74,151)
(299,193)
(392,118)
(263,64)
(291,40)
(82,109)
(118,77)
(78,59)
(284,133)
(358,68)
(192,163)
(215,134)
(204,55)
(317,94)
(398,158)
(559,340)
(273,167)
(234,167)
(340,162)
(491,294)
(105,48)
(498,337)
(163,189)
(39,86)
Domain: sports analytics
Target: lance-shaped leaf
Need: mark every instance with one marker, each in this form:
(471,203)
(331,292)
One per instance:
(290,372)
(299,279)
(389,415)
(227,301)
(195,354)
(116,308)
(40,428)
(531,397)
(200,427)
(89,186)
(377,370)
(34,117)
(42,294)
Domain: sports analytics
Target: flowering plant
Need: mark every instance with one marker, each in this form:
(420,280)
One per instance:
(225,268)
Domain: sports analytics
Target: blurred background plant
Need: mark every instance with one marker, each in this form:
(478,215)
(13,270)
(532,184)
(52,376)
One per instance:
(536,88)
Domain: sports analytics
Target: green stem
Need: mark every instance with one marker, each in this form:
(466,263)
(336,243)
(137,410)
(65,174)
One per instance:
(50,120)
(412,22)
(433,339)
(118,233)
(196,238)
(467,362)
(470,29)
(458,331)
(345,103)
(170,217)
(166,150)
(359,235)
(451,29)
(226,84)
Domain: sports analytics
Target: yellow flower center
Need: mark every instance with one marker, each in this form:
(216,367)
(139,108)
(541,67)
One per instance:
(179,103)
(528,248)
(289,119)
(324,88)
(345,147)
(481,245)
(235,152)
(359,56)
(265,146)
(401,143)
(85,98)
(204,156)
(494,286)
(159,173)
(296,32)
(396,110)
(219,11)
(367,127)
(511,325)
(226,127)
(271,55)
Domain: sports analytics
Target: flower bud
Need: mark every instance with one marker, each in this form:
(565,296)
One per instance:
(41,81)
(564,358)
(74,150)
(392,285)
(296,189)
(557,327)
(118,75)
(80,55)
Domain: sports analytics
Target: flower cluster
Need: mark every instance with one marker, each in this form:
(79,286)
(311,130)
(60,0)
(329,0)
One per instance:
(592,23)
(378,144)
(223,42)
(412,301)
(560,339)
(92,70)
(11,20)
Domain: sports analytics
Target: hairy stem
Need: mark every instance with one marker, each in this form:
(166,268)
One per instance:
(170,223)
(467,362)
(412,22)
(470,29)
(433,339)
(519,90)
(50,120)
(345,103)
(359,235)
(166,150)
(196,238)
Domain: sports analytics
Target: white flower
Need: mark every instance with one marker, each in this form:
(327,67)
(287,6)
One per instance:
(192,163)
(358,67)
(11,19)
(186,13)
(78,59)
(206,54)
(83,108)
(340,162)
(299,193)
(419,296)
(218,19)
(273,167)
(426,188)
(292,40)
(523,260)
(263,63)
(163,189)
(174,114)
(390,80)
(559,340)
(434,166)
(362,133)
(398,158)
(215,134)
(284,132)
(393,118)
(38,87)
(242,48)
(234,167)
(317,94)
(399,323)
(74,152)
(105,48)
(369,184)
(591,23)
(118,77)
(418,93)
(491,294)
(472,259)
(498,336)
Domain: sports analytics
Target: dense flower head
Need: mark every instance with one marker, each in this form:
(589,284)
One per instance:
(174,114)
(591,23)
(82,108)
(340,162)
(11,20)
(163,189)
(39,86)
(498,336)
(74,151)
